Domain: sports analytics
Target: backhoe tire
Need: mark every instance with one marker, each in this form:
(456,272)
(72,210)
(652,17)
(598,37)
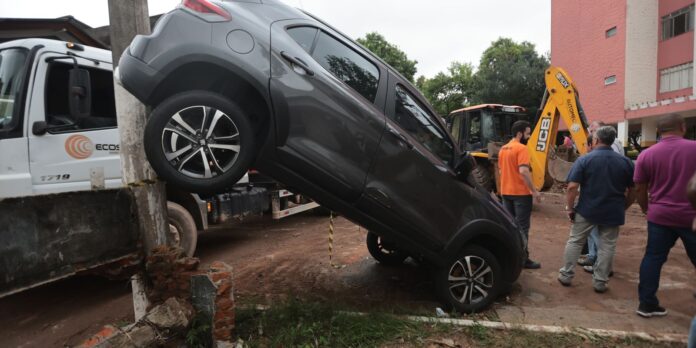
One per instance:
(182,228)
(483,176)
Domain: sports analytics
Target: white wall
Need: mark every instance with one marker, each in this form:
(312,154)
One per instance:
(641,51)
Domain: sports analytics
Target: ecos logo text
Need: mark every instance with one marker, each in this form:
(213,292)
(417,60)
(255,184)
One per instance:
(79,146)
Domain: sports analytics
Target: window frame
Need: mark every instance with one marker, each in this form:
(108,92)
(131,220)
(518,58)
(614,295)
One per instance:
(49,67)
(431,116)
(611,32)
(673,71)
(610,80)
(16,126)
(667,22)
(356,49)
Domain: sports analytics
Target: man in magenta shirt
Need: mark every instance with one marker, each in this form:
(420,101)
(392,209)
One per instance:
(664,171)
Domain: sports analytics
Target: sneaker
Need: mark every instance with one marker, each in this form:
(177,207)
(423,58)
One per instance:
(529,264)
(564,281)
(585,261)
(648,311)
(590,269)
(600,288)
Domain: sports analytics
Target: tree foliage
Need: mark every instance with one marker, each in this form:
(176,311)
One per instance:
(450,90)
(510,73)
(390,53)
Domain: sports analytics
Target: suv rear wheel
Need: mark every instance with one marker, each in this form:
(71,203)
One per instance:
(383,251)
(199,141)
(471,281)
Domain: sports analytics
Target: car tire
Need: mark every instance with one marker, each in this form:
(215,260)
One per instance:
(483,176)
(199,141)
(455,285)
(182,228)
(383,252)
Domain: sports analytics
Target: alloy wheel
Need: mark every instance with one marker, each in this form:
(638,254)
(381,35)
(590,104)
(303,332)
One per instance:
(470,280)
(201,142)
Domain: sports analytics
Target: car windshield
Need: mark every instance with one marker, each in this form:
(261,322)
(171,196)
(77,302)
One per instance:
(11,75)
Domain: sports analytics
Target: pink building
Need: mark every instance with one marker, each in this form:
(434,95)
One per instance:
(631,60)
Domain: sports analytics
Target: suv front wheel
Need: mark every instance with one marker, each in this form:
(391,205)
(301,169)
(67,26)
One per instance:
(471,281)
(199,141)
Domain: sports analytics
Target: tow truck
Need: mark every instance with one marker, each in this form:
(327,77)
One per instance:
(58,136)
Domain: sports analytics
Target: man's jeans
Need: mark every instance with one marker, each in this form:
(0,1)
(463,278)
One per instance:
(592,245)
(579,232)
(521,208)
(661,239)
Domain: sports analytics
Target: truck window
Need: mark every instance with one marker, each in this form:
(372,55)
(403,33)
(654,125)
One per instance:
(474,127)
(103,114)
(12,63)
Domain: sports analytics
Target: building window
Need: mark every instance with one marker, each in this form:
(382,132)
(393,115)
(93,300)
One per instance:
(677,77)
(609,80)
(611,32)
(678,22)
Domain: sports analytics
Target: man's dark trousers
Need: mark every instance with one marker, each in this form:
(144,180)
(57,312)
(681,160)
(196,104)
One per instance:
(521,208)
(661,239)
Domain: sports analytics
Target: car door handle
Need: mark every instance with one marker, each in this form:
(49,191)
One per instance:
(298,62)
(402,138)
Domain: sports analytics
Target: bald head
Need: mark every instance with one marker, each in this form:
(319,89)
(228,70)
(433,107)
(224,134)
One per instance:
(671,124)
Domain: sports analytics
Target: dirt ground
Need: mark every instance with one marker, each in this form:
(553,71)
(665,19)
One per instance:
(290,257)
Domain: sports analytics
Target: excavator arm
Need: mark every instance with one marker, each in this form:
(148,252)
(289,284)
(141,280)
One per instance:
(560,102)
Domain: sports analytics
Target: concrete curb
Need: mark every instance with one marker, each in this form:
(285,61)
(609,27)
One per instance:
(671,338)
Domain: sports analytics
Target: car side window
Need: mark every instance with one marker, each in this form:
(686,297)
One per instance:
(416,120)
(304,36)
(347,65)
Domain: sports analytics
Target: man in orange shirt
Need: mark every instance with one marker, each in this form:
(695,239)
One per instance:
(516,181)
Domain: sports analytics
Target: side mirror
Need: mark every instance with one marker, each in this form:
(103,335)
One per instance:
(80,93)
(465,164)
(39,128)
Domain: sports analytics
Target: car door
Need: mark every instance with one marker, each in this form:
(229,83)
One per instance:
(73,158)
(328,98)
(412,187)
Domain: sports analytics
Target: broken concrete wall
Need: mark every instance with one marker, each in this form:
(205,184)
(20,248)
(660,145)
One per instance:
(43,238)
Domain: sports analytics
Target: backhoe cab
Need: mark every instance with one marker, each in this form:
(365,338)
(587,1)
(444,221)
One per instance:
(483,129)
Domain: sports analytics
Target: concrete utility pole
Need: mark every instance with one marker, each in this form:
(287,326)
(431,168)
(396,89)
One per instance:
(129,18)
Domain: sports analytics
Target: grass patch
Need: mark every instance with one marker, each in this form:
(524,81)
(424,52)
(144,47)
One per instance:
(308,324)
(300,324)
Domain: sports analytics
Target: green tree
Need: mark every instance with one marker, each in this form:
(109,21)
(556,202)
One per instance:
(390,53)
(448,91)
(510,73)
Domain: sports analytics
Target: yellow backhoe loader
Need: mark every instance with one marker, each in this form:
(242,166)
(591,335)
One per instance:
(483,129)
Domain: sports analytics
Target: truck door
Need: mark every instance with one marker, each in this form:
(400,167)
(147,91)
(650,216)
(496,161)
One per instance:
(76,152)
(328,96)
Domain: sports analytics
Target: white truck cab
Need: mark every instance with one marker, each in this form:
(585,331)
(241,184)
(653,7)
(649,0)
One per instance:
(44,148)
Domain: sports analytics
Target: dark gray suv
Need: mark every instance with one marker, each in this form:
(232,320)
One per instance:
(255,82)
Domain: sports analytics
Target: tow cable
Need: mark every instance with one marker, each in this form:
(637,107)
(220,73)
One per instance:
(331,238)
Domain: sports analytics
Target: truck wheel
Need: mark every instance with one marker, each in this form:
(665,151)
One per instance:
(471,281)
(199,141)
(182,227)
(383,251)
(484,176)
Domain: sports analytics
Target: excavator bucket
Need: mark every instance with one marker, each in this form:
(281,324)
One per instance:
(560,162)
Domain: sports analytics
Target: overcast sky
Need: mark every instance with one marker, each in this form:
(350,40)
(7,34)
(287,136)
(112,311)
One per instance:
(434,32)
